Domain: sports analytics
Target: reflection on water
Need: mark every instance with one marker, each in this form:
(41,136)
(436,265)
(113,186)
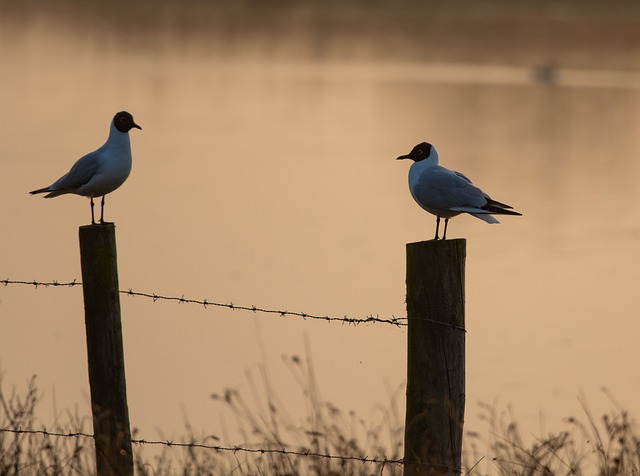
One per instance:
(265,175)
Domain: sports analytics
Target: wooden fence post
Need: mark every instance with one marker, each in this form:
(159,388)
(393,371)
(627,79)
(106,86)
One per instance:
(435,357)
(105,354)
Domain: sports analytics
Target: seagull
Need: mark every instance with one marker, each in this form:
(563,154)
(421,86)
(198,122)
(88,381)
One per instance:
(101,171)
(446,193)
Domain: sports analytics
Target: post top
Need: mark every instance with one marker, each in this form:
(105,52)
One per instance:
(98,226)
(440,243)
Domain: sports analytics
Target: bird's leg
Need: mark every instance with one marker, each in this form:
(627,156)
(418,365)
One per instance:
(437,227)
(102,210)
(446,222)
(93,221)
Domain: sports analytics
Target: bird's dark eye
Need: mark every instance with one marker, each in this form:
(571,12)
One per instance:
(419,151)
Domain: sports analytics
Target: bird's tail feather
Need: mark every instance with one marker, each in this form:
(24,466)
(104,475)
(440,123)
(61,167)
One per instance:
(486,217)
(497,204)
(500,211)
(498,208)
(51,192)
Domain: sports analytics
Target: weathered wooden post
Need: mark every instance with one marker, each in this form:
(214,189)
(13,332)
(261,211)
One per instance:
(435,358)
(105,351)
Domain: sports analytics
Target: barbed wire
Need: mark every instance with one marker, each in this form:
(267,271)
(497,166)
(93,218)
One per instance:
(204,302)
(282,451)
(395,321)
(173,444)
(35,283)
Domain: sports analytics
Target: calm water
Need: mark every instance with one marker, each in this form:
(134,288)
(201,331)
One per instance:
(264,175)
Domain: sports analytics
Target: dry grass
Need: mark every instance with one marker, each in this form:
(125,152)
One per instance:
(588,446)
(609,446)
(262,421)
(26,454)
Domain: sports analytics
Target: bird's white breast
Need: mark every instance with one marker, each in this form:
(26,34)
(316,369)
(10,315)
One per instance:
(416,171)
(115,166)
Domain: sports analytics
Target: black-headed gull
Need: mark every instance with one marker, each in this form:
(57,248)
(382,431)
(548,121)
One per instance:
(101,171)
(446,193)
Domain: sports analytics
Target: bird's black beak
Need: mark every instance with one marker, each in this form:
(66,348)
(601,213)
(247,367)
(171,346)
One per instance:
(137,126)
(403,157)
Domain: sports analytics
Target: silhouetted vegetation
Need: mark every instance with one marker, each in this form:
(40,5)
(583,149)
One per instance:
(588,446)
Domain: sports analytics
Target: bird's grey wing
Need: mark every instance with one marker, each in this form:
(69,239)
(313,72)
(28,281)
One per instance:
(460,174)
(443,189)
(491,205)
(81,172)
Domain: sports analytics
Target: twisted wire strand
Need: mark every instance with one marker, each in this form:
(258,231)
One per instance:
(395,321)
